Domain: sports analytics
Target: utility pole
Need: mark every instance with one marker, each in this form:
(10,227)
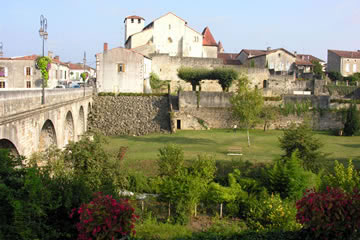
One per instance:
(84,71)
(44,35)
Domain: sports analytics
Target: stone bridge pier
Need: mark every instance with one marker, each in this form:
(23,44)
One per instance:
(27,126)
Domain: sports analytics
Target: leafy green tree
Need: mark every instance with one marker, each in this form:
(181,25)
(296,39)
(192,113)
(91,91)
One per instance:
(247,105)
(225,76)
(302,138)
(347,179)
(170,160)
(352,122)
(193,75)
(318,69)
(335,76)
(268,114)
(288,178)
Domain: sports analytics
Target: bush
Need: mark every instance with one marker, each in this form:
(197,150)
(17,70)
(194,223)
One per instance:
(157,84)
(288,178)
(302,138)
(225,76)
(335,76)
(272,213)
(352,122)
(333,214)
(346,179)
(105,218)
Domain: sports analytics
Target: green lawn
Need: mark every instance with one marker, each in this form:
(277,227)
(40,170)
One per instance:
(143,150)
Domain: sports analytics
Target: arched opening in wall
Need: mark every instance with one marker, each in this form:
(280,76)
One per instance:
(81,121)
(7,144)
(47,136)
(265,84)
(69,128)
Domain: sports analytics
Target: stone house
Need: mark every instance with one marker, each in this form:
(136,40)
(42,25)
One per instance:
(344,62)
(168,34)
(20,72)
(76,69)
(122,70)
(276,60)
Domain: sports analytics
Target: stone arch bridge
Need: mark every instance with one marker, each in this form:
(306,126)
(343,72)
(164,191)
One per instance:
(27,126)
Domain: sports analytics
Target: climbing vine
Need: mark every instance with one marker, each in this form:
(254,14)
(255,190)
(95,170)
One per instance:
(44,65)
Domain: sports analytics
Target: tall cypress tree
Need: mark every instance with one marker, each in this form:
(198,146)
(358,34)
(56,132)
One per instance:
(352,123)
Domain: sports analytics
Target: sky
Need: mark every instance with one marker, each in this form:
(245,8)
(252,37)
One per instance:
(78,26)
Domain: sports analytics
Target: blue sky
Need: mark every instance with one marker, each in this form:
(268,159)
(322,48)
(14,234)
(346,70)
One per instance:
(75,26)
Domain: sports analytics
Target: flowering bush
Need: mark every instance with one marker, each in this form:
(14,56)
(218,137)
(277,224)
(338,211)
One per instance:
(332,214)
(105,218)
(44,65)
(272,213)
(84,76)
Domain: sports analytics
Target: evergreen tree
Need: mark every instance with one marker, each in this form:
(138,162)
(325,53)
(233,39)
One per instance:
(352,123)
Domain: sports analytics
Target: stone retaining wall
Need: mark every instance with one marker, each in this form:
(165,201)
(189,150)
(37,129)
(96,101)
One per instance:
(130,115)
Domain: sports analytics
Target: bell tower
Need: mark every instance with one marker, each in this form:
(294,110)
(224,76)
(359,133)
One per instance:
(133,24)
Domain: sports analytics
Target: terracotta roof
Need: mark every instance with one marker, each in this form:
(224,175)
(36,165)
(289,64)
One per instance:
(227,56)
(308,57)
(30,57)
(346,54)
(77,66)
(253,52)
(303,62)
(133,17)
(208,39)
(257,53)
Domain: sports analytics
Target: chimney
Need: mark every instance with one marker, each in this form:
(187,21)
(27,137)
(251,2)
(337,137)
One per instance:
(295,53)
(50,54)
(268,49)
(105,47)
(57,58)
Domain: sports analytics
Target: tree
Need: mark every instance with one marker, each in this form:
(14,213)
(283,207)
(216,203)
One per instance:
(193,75)
(302,138)
(171,160)
(352,122)
(335,76)
(268,114)
(318,69)
(246,105)
(225,76)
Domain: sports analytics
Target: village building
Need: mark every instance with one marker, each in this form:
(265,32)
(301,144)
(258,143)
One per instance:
(122,70)
(20,72)
(168,34)
(76,69)
(278,61)
(345,62)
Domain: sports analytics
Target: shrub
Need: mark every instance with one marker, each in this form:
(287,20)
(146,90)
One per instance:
(288,178)
(332,214)
(352,122)
(171,160)
(157,84)
(335,76)
(225,76)
(302,138)
(346,179)
(105,218)
(272,213)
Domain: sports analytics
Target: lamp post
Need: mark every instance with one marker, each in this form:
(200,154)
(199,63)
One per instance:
(1,49)
(84,71)
(44,35)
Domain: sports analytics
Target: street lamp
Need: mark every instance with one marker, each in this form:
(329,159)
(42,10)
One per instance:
(84,71)
(1,52)
(44,35)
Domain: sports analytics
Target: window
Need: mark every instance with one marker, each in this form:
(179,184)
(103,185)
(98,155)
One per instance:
(169,26)
(61,74)
(56,74)
(28,84)
(2,72)
(28,71)
(354,68)
(65,75)
(265,84)
(132,20)
(2,84)
(77,75)
(170,40)
(347,67)
(139,20)
(279,55)
(121,67)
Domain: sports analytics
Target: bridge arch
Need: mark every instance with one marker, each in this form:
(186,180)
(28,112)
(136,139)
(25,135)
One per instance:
(47,136)
(69,129)
(7,144)
(81,120)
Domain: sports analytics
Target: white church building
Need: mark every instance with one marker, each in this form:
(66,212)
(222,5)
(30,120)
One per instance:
(170,35)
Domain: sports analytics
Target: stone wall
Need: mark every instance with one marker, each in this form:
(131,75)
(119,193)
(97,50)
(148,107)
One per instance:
(130,115)
(316,101)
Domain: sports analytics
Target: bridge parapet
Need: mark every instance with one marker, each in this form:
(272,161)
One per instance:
(14,101)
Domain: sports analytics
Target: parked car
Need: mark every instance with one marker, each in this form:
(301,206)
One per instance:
(75,86)
(60,86)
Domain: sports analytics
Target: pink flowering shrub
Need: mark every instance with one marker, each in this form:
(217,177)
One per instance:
(332,214)
(105,218)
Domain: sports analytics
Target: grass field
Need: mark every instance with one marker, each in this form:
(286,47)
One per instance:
(142,150)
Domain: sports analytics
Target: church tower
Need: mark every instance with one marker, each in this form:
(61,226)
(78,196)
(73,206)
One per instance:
(133,24)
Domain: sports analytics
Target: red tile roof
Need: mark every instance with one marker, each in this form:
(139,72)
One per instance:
(303,62)
(257,53)
(308,57)
(208,39)
(133,17)
(346,54)
(77,66)
(228,56)
(31,57)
